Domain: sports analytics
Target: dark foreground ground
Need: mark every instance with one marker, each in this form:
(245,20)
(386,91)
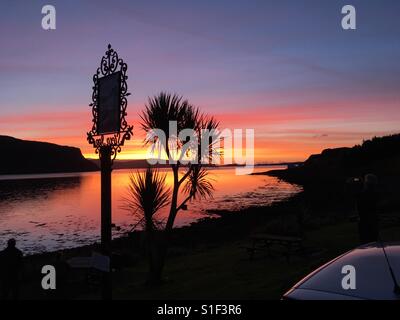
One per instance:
(208,260)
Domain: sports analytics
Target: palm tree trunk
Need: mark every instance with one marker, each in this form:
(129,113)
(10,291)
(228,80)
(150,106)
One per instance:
(156,259)
(164,241)
(174,201)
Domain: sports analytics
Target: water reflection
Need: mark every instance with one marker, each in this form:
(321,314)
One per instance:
(22,189)
(51,212)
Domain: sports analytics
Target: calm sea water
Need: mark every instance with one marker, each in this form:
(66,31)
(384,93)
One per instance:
(56,211)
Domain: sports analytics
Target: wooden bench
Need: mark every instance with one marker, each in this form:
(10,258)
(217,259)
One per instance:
(262,241)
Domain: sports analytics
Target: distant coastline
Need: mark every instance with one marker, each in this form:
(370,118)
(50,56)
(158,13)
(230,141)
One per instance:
(142,163)
(32,157)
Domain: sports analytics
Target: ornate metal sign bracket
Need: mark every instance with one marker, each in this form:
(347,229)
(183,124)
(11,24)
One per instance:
(110,64)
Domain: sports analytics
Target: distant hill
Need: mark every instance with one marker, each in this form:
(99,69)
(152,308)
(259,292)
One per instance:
(380,155)
(25,157)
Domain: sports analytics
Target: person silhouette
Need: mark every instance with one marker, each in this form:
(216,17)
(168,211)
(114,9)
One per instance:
(10,266)
(368,225)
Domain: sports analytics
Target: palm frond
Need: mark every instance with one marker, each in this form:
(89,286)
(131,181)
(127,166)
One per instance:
(166,107)
(198,183)
(147,194)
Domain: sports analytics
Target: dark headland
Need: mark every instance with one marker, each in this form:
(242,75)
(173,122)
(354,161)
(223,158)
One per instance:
(30,157)
(327,177)
(380,156)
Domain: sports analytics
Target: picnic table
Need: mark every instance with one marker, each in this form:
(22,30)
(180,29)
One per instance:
(92,267)
(264,241)
(96,261)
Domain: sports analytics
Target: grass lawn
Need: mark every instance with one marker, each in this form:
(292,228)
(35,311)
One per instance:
(225,271)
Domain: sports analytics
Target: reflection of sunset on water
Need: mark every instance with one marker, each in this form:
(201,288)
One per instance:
(64,210)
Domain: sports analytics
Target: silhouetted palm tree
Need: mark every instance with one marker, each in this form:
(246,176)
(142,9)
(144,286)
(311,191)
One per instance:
(159,111)
(147,194)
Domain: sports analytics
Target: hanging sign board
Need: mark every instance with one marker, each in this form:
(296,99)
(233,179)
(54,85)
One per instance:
(109,102)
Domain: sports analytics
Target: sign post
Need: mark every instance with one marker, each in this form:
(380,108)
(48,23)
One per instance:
(106,218)
(109,132)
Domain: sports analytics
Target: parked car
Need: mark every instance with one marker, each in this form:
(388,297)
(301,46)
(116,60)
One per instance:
(370,271)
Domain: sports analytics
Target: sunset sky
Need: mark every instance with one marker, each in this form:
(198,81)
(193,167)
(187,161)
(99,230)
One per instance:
(284,68)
